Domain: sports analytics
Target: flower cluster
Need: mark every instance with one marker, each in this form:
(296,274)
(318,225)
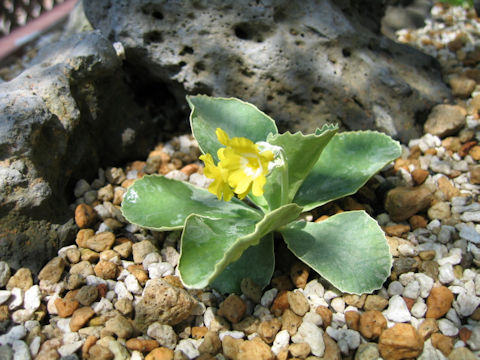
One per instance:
(242,167)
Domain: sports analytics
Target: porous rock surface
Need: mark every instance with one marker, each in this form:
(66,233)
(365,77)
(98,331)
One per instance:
(62,117)
(304,63)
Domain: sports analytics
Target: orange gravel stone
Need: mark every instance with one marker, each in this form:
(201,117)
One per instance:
(401,341)
(280,304)
(142,345)
(161,353)
(80,317)
(439,302)
(352,319)
(85,216)
(443,343)
(372,323)
(299,274)
(326,315)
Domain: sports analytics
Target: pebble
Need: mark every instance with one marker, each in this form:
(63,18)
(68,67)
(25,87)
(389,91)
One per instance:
(4,296)
(32,298)
(20,350)
(445,120)
(119,326)
(4,273)
(80,317)
(400,342)
(397,310)
(372,323)
(70,348)
(85,216)
(22,279)
(281,342)
(466,304)
(160,353)
(17,332)
(439,302)
(447,327)
(403,202)
(298,303)
(312,335)
(164,334)
(16,298)
(233,308)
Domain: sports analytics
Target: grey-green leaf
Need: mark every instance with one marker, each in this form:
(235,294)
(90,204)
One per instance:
(158,203)
(302,152)
(237,118)
(256,263)
(345,165)
(210,244)
(348,249)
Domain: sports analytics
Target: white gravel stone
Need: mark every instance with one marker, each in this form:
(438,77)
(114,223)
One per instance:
(233,333)
(69,348)
(177,175)
(447,327)
(470,216)
(32,298)
(170,255)
(397,310)
(426,284)
(469,233)
(164,334)
(347,339)
(22,315)
(268,297)
(446,275)
(189,347)
(406,250)
(136,355)
(15,333)
(122,291)
(313,317)
(474,341)
(314,292)
(329,295)
(35,345)
(312,335)
(262,313)
(20,350)
(419,308)
(153,257)
(453,317)
(199,180)
(16,299)
(465,304)
(64,325)
(454,257)
(282,339)
(133,285)
(407,278)
(4,296)
(395,288)
(103,306)
(160,269)
(412,290)
(338,304)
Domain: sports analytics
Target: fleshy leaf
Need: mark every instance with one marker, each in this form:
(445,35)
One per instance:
(348,249)
(210,244)
(302,152)
(158,203)
(236,117)
(345,165)
(256,263)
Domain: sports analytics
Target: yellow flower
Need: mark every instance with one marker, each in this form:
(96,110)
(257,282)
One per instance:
(219,186)
(247,166)
(242,167)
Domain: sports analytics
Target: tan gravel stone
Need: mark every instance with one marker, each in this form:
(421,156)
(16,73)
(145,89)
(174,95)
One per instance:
(161,353)
(87,294)
(442,343)
(375,302)
(233,308)
(120,326)
(105,193)
(462,353)
(440,210)
(106,270)
(99,352)
(140,274)
(53,270)
(401,341)
(48,350)
(300,350)
(372,323)
(89,342)
(80,317)
(352,319)
(298,303)
(254,349)
(417,221)
(21,279)
(269,329)
(326,315)
(248,325)
(211,343)
(142,249)
(124,250)
(299,273)
(475,152)
(83,268)
(124,306)
(291,322)
(142,345)
(419,176)
(89,255)
(280,303)
(85,216)
(73,255)
(101,241)
(439,302)
(82,236)
(447,188)
(462,86)
(164,303)
(475,174)
(403,202)
(332,351)
(445,120)
(396,230)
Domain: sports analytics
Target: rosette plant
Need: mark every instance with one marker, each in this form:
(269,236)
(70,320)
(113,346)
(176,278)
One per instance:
(262,181)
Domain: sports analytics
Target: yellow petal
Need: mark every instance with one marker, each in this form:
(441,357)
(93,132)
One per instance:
(222,136)
(258,184)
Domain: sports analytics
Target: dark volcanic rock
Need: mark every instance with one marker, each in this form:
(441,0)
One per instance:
(305,63)
(61,119)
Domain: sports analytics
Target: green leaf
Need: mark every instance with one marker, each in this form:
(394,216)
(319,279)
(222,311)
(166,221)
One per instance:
(302,152)
(345,165)
(237,118)
(158,203)
(210,244)
(348,249)
(256,263)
